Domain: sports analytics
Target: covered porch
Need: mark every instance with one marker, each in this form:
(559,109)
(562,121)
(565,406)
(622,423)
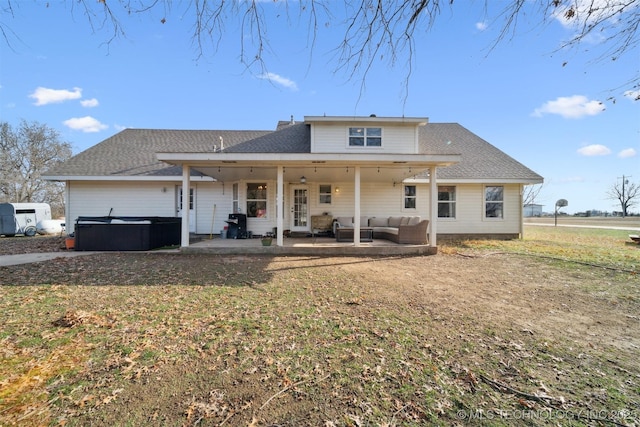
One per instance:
(300,170)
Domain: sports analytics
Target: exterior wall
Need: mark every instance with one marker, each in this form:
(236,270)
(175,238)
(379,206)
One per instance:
(335,139)
(377,200)
(146,199)
(470,212)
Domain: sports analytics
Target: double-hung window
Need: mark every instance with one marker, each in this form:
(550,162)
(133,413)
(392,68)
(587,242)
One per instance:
(409,196)
(446,201)
(494,201)
(365,137)
(256,199)
(324,192)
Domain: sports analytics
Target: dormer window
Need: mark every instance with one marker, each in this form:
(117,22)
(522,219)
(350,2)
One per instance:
(365,137)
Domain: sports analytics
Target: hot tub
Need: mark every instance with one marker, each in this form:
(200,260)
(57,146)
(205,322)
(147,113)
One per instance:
(110,233)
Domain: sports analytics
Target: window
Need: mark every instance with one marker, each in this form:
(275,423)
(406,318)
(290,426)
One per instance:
(446,201)
(257,200)
(493,201)
(409,196)
(190,199)
(325,194)
(236,204)
(365,137)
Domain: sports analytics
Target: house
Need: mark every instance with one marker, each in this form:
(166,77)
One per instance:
(335,165)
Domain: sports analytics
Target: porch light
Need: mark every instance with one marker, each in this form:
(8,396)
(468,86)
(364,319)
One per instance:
(337,189)
(303,179)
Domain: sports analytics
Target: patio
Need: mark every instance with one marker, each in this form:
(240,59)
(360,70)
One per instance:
(321,246)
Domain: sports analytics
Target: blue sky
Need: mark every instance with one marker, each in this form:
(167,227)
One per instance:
(557,119)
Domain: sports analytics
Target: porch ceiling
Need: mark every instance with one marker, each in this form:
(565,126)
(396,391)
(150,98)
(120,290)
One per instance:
(292,174)
(315,167)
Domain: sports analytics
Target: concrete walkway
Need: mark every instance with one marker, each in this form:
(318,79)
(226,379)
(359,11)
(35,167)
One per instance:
(7,260)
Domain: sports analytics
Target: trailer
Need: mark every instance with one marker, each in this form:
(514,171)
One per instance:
(22,218)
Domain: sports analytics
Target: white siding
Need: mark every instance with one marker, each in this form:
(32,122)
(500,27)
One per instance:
(470,212)
(146,199)
(335,139)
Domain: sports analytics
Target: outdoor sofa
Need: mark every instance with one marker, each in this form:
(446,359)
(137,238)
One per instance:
(398,229)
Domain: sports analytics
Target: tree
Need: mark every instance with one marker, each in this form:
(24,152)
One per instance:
(530,194)
(626,193)
(373,29)
(25,154)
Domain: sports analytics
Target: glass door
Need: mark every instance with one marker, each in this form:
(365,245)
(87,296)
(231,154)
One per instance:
(299,208)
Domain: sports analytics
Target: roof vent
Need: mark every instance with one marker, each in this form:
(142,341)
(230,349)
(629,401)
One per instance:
(292,122)
(373,115)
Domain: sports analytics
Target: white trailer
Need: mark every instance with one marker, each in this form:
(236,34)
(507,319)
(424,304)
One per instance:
(22,218)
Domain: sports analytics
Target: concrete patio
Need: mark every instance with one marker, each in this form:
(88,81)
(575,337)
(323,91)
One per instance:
(322,246)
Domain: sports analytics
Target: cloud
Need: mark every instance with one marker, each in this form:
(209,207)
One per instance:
(571,107)
(89,103)
(85,124)
(283,81)
(44,96)
(633,95)
(481,26)
(594,150)
(627,153)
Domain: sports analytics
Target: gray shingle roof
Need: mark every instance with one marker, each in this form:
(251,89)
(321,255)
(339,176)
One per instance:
(132,152)
(480,159)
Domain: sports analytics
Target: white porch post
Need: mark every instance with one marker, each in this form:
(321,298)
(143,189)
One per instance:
(186,185)
(280,207)
(356,211)
(433,206)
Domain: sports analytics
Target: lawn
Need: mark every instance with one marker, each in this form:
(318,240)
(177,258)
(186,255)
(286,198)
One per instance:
(540,331)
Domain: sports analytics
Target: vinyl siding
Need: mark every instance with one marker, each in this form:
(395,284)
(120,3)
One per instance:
(470,212)
(147,199)
(334,139)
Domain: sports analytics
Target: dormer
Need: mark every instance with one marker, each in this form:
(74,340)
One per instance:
(384,135)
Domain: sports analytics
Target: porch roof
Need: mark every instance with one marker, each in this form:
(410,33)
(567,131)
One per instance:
(315,167)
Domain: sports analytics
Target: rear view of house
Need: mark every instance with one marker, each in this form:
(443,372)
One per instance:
(354,167)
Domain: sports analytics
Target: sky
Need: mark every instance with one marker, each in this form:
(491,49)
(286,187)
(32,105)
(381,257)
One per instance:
(563,113)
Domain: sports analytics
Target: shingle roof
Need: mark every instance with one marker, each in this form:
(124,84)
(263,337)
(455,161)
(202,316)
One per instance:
(480,159)
(132,152)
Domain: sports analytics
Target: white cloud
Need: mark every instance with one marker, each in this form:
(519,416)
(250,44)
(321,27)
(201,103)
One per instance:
(633,95)
(44,96)
(570,107)
(627,153)
(85,124)
(89,103)
(283,81)
(481,26)
(594,150)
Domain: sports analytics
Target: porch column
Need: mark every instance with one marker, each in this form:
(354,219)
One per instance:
(186,186)
(356,210)
(280,207)
(433,206)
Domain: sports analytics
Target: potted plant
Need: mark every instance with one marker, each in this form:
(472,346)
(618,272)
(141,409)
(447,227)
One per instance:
(267,239)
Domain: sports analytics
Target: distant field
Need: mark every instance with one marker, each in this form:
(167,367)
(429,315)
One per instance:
(630,223)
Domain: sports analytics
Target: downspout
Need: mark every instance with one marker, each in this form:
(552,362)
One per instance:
(433,207)
(280,207)
(356,212)
(186,186)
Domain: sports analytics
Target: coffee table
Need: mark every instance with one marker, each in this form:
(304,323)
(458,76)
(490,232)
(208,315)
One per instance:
(345,234)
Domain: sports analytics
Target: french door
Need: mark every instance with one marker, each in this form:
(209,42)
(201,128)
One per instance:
(299,208)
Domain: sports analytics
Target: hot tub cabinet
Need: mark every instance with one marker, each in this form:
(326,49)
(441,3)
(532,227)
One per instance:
(126,233)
